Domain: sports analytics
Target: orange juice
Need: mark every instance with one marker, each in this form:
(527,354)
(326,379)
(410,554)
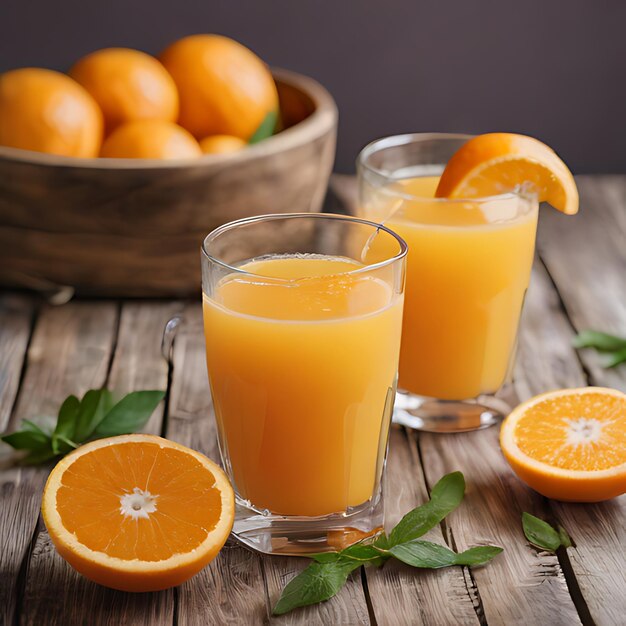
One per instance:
(302,354)
(468,268)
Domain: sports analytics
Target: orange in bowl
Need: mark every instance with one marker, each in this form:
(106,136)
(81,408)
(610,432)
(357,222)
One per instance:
(496,163)
(47,111)
(222,144)
(569,444)
(224,88)
(138,512)
(128,85)
(150,139)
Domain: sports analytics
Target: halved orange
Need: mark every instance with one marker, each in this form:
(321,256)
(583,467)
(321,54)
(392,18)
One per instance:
(137,512)
(497,163)
(569,444)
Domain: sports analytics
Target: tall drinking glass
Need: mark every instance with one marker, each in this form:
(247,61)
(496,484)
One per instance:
(468,269)
(302,340)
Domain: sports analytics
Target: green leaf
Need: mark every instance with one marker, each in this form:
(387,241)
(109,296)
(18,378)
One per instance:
(616,358)
(429,555)
(420,553)
(94,415)
(31,426)
(326,557)
(318,582)
(39,456)
(365,553)
(266,127)
(446,495)
(478,555)
(565,539)
(130,414)
(66,420)
(96,403)
(598,340)
(61,445)
(540,533)
(362,552)
(28,440)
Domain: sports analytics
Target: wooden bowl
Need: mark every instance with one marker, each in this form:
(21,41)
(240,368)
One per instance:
(123,227)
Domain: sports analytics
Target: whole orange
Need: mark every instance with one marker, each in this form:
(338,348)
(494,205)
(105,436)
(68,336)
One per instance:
(224,88)
(128,85)
(222,144)
(47,111)
(150,139)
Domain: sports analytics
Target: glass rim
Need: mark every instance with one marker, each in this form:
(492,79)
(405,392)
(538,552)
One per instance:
(393,141)
(277,216)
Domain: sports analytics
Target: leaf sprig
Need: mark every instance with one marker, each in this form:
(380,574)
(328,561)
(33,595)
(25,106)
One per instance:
(614,347)
(96,416)
(544,536)
(325,577)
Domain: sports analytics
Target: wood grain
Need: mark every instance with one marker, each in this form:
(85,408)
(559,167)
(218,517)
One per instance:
(521,585)
(68,598)
(138,362)
(15,320)
(598,557)
(586,258)
(545,358)
(589,268)
(594,566)
(401,594)
(61,217)
(69,353)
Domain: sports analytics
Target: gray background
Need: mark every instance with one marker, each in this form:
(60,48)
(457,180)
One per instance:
(555,69)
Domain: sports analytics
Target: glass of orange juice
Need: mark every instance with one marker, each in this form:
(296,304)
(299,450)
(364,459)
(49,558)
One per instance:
(302,329)
(468,268)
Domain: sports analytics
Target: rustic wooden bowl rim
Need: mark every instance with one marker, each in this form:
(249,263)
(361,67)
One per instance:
(324,115)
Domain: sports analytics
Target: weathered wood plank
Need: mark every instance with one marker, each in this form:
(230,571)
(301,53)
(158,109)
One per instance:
(598,556)
(68,598)
(545,357)
(15,319)
(548,361)
(521,585)
(69,353)
(586,258)
(403,595)
(138,362)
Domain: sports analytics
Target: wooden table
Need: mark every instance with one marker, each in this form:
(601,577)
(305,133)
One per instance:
(579,282)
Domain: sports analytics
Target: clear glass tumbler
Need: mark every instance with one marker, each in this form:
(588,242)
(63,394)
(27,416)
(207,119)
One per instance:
(302,318)
(468,269)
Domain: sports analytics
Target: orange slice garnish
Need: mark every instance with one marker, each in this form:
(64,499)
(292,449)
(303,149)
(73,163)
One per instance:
(497,163)
(569,444)
(137,512)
